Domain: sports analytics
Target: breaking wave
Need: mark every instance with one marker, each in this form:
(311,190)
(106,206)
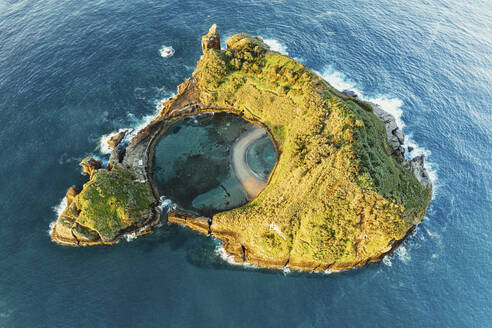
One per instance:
(166,204)
(401,253)
(58,209)
(275,45)
(222,253)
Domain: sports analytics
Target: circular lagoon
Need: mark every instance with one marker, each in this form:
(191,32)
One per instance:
(213,163)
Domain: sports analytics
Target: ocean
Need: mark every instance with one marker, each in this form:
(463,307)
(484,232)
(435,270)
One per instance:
(73,71)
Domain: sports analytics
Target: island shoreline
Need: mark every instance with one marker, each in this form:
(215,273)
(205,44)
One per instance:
(187,104)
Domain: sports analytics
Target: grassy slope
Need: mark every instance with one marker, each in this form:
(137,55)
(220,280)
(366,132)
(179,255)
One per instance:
(112,201)
(337,195)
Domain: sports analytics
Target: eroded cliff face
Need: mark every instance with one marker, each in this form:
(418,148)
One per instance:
(341,195)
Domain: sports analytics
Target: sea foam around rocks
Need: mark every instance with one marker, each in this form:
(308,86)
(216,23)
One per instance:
(391,105)
(136,124)
(222,253)
(58,209)
(167,51)
(276,45)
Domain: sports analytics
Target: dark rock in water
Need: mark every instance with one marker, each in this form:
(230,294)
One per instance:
(418,170)
(349,93)
(90,165)
(410,149)
(211,40)
(115,140)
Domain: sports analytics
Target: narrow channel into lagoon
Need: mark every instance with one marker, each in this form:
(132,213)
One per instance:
(213,163)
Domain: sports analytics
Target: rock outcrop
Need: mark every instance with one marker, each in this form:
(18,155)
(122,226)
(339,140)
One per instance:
(90,165)
(72,192)
(419,171)
(396,139)
(211,40)
(393,132)
(115,140)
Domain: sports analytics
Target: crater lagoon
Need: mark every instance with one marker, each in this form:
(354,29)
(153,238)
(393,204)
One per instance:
(212,163)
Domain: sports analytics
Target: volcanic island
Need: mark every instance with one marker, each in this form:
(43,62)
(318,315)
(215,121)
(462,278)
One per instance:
(341,194)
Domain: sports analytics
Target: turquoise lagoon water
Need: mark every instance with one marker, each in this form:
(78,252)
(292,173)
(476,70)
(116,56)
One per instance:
(192,163)
(71,71)
(261,158)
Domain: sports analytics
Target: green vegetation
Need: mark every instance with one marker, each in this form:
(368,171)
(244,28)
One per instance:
(337,196)
(110,202)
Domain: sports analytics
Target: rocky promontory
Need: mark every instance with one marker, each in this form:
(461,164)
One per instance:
(342,193)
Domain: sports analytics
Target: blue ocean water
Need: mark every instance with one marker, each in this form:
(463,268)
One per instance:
(71,71)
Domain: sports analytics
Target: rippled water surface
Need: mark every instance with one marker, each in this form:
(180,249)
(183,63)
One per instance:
(72,71)
(192,163)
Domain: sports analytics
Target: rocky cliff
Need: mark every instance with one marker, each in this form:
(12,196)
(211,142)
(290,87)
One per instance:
(341,195)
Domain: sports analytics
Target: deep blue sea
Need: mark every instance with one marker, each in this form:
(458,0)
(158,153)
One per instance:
(72,71)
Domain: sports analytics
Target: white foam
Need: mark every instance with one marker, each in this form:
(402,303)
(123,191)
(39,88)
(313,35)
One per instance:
(387,261)
(103,141)
(403,254)
(391,106)
(433,235)
(275,45)
(338,80)
(51,227)
(166,51)
(130,236)
(166,204)
(58,209)
(429,166)
(138,124)
(220,250)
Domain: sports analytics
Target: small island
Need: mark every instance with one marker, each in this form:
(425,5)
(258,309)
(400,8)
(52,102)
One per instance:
(340,195)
